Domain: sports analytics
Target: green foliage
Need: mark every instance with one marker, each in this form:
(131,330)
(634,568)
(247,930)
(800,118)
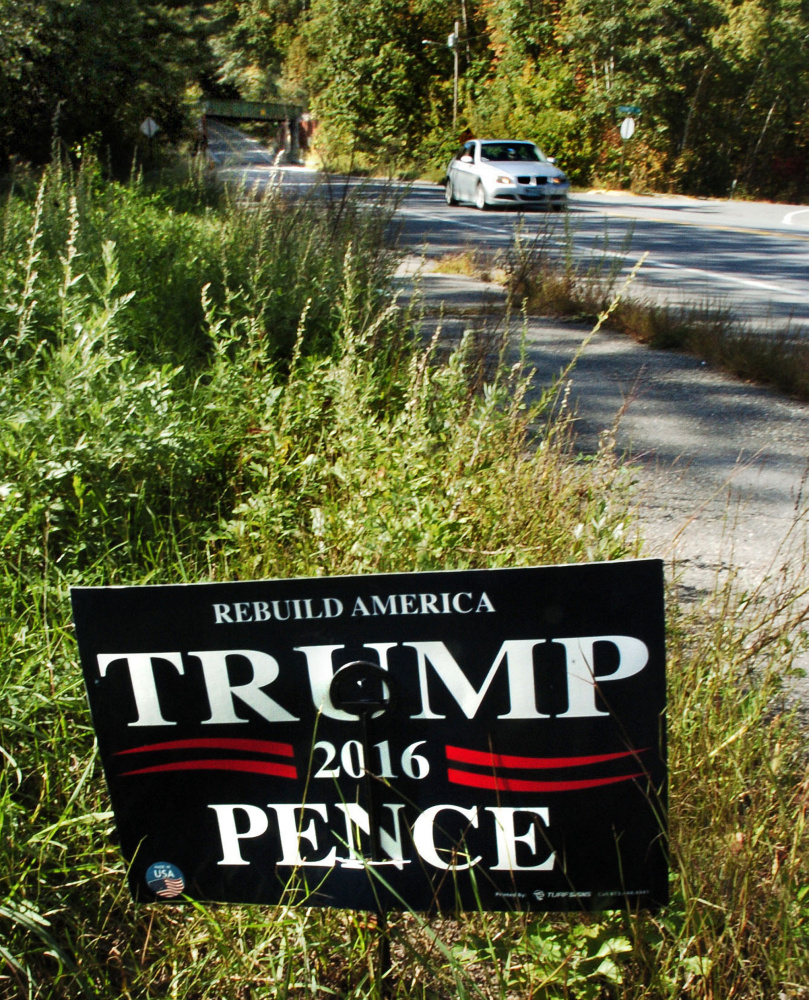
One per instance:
(384,487)
(721,83)
(113,416)
(250,42)
(80,68)
(715,98)
(368,75)
(169,244)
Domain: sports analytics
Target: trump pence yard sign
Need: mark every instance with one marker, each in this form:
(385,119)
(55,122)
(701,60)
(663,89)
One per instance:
(503,747)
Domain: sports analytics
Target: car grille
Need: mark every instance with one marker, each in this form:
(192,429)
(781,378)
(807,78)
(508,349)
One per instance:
(527,180)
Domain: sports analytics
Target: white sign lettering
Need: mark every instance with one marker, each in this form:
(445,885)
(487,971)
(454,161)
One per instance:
(516,654)
(305,826)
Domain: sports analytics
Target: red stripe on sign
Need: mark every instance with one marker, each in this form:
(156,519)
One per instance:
(249,746)
(251,766)
(482,759)
(519,785)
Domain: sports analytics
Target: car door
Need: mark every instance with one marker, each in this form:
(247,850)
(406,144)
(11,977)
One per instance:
(463,173)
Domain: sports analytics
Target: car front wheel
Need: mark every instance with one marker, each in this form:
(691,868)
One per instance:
(449,194)
(480,198)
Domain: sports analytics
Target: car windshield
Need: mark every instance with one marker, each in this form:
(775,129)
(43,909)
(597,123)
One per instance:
(501,152)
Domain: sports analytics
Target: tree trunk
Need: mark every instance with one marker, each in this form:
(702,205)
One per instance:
(694,101)
(751,159)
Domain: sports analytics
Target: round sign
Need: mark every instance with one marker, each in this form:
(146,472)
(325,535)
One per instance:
(165,880)
(627,128)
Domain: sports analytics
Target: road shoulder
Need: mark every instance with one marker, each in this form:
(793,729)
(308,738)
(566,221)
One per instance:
(721,465)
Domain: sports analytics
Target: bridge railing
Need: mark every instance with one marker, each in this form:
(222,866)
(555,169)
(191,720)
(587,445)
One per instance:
(253,110)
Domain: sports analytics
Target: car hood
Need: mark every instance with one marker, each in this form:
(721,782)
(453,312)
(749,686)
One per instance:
(522,169)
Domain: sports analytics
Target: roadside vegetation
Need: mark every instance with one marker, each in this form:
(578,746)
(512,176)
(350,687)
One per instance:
(182,401)
(777,358)
(541,280)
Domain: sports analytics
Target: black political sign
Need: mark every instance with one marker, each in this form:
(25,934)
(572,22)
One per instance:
(519,762)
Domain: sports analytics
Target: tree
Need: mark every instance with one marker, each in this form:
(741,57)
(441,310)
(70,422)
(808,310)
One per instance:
(94,68)
(368,75)
(251,41)
(763,68)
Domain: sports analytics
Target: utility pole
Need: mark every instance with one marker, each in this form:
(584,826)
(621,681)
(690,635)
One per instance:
(452,42)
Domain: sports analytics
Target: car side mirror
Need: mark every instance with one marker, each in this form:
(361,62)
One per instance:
(466,158)
(551,159)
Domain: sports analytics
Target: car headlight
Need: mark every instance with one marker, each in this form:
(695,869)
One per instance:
(504,179)
(557,180)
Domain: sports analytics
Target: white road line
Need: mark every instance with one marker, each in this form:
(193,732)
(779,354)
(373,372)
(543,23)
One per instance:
(650,261)
(787,220)
(765,286)
(455,221)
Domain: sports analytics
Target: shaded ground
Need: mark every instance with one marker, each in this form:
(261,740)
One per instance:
(722,466)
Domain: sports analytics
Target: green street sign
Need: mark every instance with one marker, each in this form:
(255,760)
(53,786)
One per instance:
(628,109)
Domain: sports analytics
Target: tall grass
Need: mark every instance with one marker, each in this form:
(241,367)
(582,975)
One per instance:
(310,431)
(542,280)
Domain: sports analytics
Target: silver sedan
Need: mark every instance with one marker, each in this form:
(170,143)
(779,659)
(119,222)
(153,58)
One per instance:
(505,172)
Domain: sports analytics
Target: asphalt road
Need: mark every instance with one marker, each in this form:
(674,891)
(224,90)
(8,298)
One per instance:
(749,257)
(720,467)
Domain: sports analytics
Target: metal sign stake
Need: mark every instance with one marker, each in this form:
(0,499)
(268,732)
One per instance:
(364,689)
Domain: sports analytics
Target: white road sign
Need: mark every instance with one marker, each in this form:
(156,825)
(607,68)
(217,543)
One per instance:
(150,128)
